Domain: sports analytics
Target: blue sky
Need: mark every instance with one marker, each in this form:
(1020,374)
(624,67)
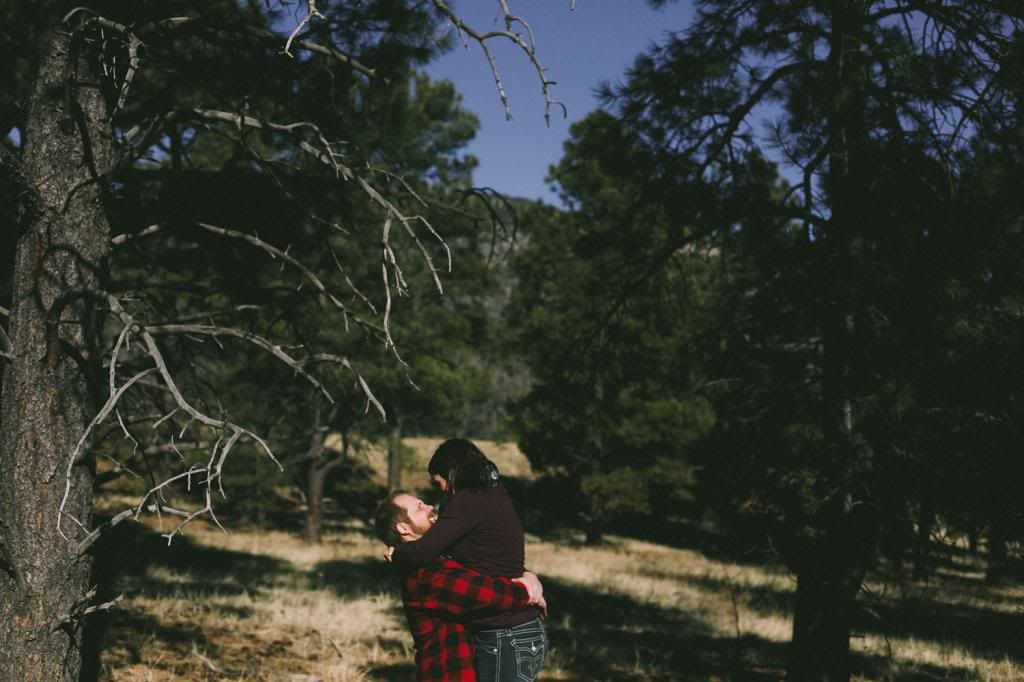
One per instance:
(595,42)
(580,48)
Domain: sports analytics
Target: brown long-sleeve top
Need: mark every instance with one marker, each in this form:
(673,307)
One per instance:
(480,530)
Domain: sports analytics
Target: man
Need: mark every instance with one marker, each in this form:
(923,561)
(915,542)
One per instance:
(438,595)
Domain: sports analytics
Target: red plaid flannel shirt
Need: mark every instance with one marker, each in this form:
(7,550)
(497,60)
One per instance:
(435,597)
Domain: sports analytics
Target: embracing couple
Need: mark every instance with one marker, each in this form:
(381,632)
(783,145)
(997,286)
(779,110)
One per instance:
(474,612)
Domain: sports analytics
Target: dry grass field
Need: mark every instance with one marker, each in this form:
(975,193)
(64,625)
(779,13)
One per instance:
(259,604)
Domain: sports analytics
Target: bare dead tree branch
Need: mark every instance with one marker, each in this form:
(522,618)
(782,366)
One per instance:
(151,29)
(6,347)
(344,362)
(127,237)
(79,610)
(121,49)
(98,419)
(208,662)
(325,153)
(273,349)
(210,474)
(331,52)
(108,64)
(311,13)
(154,352)
(274,253)
(218,454)
(527,45)
(173,446)
(94,535)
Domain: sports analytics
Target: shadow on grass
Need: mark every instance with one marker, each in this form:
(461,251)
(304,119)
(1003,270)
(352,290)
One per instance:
(988,633)
(397,671)
(132,559)
(994,635)
(991,634)
(595,635)
(545,510)
(123,559)
(125,556)
(354,579)
(599,636)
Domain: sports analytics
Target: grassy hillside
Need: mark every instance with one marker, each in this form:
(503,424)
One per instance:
(259,604)
(511,462)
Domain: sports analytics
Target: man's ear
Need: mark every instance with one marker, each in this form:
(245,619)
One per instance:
(403,529)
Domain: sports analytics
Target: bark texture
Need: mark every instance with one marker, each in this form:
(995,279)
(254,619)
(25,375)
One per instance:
(832,567)
(825,604)
(996,569)
(320,467)
(922,549)
(60,253)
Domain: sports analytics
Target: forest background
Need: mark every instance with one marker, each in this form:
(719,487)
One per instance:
(761,366)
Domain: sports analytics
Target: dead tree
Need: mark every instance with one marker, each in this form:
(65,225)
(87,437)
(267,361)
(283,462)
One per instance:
(82,361)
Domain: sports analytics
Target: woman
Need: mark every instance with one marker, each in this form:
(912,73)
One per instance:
(479,528)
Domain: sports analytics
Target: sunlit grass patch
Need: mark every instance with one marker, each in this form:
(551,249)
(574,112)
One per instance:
(289,624)
(626,610)
(261,604)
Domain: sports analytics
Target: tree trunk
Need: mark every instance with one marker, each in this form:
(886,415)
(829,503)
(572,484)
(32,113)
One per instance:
(972,538)
(823,617)
(593,528)
(315,479)
(830,569)
(996,569)
(314,504)
(922,544)
(61,252)
(830,573)
(395,455)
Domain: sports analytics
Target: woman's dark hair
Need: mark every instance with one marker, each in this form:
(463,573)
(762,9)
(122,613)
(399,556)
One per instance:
(463,466)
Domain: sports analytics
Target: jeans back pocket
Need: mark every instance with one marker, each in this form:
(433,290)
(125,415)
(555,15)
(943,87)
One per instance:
(531,650)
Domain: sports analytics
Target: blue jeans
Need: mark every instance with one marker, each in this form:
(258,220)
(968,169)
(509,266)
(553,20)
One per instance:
(513,654)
